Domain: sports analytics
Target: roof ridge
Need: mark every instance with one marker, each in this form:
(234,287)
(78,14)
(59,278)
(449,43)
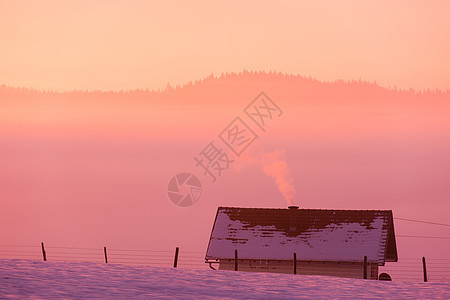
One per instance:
(312,209)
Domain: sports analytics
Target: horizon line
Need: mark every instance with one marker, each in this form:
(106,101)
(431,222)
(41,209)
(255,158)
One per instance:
(224,75)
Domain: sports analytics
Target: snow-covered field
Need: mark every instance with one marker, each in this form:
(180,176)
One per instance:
(52,280)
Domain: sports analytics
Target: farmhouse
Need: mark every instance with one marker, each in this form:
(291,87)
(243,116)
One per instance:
(325,242)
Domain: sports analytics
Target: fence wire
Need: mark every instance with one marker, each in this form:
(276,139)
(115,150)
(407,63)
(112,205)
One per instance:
(406,269)
(162,258)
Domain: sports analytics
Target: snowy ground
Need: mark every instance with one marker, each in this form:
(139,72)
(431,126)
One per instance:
(50,280)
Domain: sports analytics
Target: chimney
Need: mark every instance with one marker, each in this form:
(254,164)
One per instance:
(293,209)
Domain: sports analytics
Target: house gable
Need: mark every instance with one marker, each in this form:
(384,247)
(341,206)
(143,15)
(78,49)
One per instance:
(391,248)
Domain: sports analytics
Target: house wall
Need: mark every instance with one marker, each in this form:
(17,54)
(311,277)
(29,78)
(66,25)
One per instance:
(348,270)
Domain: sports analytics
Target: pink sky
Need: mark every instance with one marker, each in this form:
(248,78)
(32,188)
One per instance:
(114,45)
(92,169)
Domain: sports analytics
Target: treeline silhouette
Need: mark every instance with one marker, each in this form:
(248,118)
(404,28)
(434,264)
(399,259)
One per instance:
(270,78)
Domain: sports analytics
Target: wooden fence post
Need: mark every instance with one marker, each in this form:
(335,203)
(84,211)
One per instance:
(44,255)
(425,278)
(106,256)
(295,263)
(365,267)
(175,260)
(235,260)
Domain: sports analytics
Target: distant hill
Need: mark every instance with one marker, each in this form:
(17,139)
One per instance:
(237,85)
(347,105)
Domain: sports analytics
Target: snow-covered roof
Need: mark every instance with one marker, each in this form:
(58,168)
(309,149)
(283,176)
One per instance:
(313,234)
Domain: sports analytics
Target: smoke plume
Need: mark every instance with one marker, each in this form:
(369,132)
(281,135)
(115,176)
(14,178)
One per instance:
(274,165)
